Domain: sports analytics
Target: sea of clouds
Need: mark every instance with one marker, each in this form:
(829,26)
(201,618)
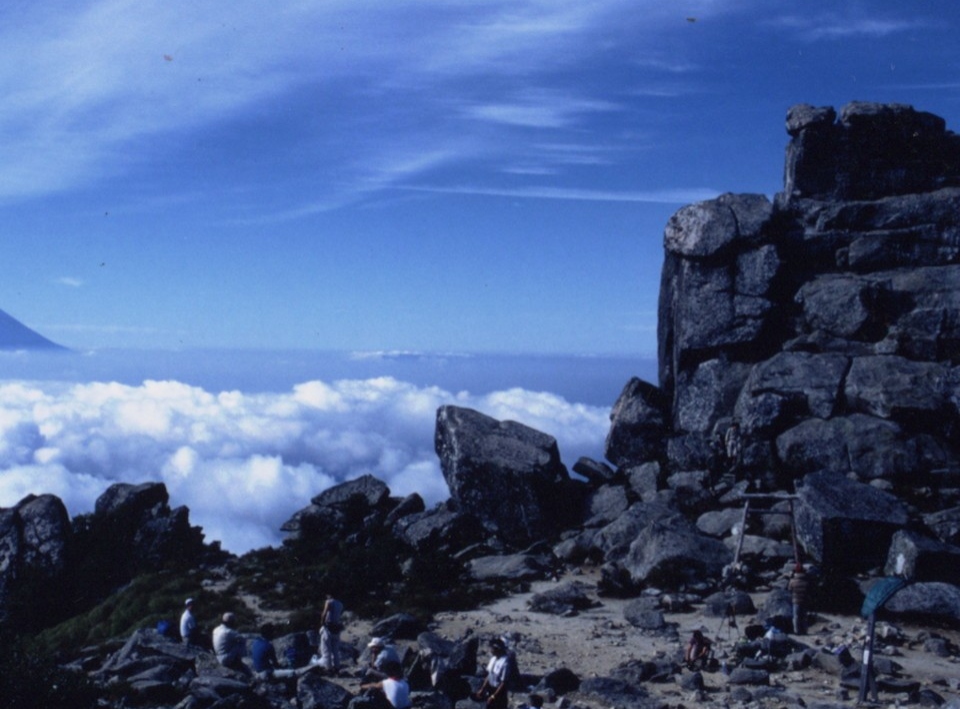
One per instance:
(245,461)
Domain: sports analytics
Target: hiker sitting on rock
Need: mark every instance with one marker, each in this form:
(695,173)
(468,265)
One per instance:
(698,651)
(393,687)
(381,653)
(263,657)
(229,645)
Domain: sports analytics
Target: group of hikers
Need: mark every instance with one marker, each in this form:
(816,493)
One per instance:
(383,677)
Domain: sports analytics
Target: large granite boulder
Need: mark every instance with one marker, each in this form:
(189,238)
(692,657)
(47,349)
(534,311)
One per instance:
(512,567)
(366,492)
(612,542)
(670,552)
(506,474)
(605,505)
(357,512)
(45,534)
(565,599)
(931,599)
(863,445)
(315,692)
(341,510)
(920,558)
(706,394)
(637,425)
(442,528)
(846,526)
(34,560)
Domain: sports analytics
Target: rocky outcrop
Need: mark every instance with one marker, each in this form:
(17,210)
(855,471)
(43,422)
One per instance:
(50,564)
(826,324)
(872,151)
(34,545)
(357,507)
(137,524)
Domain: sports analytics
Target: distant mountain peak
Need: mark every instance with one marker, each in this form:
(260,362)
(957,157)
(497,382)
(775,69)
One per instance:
(14,335)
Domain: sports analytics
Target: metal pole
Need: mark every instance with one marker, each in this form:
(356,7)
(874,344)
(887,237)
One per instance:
(793,533)
(743,532)
(866,662)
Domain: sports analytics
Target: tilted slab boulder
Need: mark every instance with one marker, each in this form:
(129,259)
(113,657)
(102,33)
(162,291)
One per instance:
(846,526)
(637,424)
(506,474)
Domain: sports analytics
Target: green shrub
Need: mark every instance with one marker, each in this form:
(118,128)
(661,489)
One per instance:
(141,604)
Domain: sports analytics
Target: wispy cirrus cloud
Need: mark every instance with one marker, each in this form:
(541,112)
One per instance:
(539,109)
(99,86)
(674,196)
(835,26)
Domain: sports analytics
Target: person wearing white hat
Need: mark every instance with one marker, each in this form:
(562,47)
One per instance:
(381,653)
(188,624)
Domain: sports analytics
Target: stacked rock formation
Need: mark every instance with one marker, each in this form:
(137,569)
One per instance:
(826,325)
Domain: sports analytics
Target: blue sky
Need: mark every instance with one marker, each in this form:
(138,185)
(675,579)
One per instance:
(438,175)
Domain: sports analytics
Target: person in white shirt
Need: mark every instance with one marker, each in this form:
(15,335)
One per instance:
(188,624)
(500,669)
(331,624)
(394,686)
(228,645)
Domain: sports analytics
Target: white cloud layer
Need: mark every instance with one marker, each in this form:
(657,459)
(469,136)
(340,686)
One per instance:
(243,463)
